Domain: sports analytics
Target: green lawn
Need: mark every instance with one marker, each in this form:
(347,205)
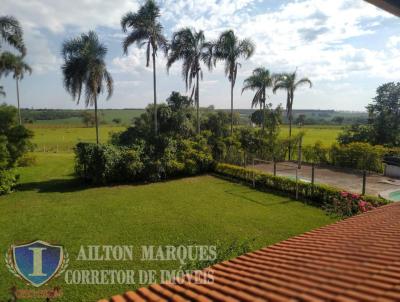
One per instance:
(50,205)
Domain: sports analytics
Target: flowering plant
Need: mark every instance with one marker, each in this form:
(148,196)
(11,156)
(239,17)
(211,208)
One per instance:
(348,204)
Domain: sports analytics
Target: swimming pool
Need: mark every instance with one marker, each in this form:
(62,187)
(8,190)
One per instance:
(395,196)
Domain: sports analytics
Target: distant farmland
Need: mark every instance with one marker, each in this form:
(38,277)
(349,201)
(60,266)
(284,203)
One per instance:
(73,117)
(125,116)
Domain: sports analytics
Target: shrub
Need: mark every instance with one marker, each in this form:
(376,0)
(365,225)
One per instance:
(164,158)
(319,194)
(8,180)
(348,204)
(362,156)
(27,160)
(14,143)
(317,154)
(102,164)
(356,133)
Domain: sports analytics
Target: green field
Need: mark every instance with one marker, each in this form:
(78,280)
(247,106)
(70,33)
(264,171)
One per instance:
(105,116)
(52,138)
(63,138)
(325,133)
(50,205)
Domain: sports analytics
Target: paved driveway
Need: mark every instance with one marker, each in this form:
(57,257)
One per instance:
(343,179)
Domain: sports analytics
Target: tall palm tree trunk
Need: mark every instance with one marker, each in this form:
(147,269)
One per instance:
(155,93)
(197,102)
(263,111)
(290,135)
(231,107)
(19,108)
(96,120)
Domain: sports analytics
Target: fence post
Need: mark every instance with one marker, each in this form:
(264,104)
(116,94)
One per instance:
(254,176)
(312,176)
(274,168)
(364,184)
(300,155)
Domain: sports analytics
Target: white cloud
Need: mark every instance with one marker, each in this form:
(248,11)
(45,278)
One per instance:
(314,35)
(57,15)
(40,56)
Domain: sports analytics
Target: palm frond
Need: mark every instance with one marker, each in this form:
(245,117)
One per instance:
(11,32)
(303,81)
(145,27)
(84,68)
(14,64)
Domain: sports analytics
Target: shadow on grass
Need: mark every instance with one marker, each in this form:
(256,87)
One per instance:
(54,186)
(244,195)
(77,184)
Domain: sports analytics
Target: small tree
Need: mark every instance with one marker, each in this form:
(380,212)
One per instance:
(14,138)
(116,121)
(88,119)
(338,120)
(301,119)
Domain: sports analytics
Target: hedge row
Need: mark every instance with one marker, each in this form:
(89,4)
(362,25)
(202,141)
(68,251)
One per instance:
(319,194)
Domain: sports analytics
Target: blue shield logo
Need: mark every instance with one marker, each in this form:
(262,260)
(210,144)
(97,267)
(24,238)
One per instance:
(37,262)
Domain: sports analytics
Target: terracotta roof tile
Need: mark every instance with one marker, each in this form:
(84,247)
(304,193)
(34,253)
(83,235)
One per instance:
(357,259)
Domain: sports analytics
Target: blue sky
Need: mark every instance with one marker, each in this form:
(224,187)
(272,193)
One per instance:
(346,47)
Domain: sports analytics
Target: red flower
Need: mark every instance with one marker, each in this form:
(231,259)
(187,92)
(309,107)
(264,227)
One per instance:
(355,196)
(344,194)
(362,203)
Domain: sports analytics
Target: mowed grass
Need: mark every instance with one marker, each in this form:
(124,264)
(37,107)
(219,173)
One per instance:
(51,205)
(63,138)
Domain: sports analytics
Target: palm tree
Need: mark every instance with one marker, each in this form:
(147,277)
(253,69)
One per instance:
(190,46)
(289,82)
(146,30)
(85,68)
(259,81)
(229,48)
(10,63)
(11,32)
